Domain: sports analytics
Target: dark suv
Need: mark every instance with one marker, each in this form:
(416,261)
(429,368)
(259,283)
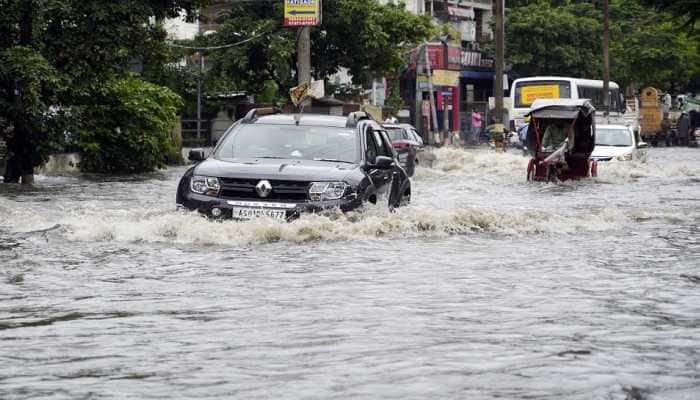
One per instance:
(279,165)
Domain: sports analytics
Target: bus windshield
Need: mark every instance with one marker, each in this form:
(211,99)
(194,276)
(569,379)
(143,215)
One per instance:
(527,92)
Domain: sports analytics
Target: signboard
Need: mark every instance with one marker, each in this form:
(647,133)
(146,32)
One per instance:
(302,12)
(442,77)
(436,55)
(528,94)
(454,58)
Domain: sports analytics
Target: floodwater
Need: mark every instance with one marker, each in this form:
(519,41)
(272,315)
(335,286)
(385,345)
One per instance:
(485,287)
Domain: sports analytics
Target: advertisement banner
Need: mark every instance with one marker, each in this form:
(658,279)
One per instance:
(529,94)
(302,12)
(442,77)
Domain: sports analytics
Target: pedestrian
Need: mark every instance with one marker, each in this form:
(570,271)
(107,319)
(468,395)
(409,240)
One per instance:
(476,126)
(522,137)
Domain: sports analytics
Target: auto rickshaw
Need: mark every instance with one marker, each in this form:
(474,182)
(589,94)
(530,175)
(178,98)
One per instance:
(569,159)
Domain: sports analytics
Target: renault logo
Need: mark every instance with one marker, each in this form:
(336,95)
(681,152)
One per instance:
(263,188)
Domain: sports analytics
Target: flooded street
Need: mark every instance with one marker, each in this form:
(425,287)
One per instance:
(485,287)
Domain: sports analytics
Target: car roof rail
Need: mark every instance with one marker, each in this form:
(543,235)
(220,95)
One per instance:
(254,113)
(355,117)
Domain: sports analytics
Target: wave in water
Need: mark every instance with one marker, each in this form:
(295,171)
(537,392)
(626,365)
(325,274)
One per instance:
(479,162)
(183,227)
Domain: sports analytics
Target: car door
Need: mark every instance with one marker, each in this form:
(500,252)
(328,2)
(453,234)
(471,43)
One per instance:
(381,178)
(640,151)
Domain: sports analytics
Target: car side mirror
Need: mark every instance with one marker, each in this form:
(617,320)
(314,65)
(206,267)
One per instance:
(381,162)
(642,145)
(196,155)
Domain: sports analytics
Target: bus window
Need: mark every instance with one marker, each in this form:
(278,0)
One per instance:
(528,92)
(595,95)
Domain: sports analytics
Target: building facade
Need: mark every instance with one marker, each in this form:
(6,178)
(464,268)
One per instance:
(468,66)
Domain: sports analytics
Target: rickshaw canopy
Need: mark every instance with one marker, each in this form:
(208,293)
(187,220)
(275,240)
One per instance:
(579,115)
(560,108)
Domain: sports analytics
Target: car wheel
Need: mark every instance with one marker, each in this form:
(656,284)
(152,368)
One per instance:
(405,198)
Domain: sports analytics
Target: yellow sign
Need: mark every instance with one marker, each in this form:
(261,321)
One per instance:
(442,77)
(302,12)
(529,94)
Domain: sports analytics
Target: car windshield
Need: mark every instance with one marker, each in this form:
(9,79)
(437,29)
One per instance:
(613,137)
(395,133)
(291,142)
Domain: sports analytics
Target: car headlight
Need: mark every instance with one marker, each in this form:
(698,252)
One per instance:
(319,191)
(624,157)
(207,185)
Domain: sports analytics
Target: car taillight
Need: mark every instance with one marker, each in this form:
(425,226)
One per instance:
(401,145)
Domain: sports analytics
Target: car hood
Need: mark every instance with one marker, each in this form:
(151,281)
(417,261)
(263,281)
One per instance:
(295,170)
(610,151)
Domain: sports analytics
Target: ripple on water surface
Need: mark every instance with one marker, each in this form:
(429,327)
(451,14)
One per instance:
(485,287)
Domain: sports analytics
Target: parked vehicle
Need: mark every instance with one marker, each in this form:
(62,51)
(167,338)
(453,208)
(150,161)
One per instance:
(276,165)
(407,144)
(618,143)
(569,159)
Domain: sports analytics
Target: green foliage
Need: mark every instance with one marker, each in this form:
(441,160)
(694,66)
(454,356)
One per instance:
(28,87)
(685,11)
(364,36)
(56,56)
(565,38)
(132,130)
(546,40)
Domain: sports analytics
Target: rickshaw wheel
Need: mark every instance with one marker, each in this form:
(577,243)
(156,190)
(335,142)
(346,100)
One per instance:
(551,175)
(531,170)
(594,168)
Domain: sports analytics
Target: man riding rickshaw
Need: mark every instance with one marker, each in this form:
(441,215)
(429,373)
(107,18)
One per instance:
(560,139)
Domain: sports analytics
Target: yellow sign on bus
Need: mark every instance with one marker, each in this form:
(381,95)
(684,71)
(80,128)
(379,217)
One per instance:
(529,94)
(302,12)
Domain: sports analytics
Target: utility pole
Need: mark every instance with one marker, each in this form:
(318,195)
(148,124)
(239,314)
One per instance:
(606,61)
(430,92)
(304,55)
(499,14)
(419,96)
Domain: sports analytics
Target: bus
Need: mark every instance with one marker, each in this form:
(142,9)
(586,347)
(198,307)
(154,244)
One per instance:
(524,91)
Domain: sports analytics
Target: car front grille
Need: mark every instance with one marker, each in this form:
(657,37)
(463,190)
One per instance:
(244,189)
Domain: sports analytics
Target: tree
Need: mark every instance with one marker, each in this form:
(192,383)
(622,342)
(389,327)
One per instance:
(364,36)
(648,50)
(130,131)
(60,52)
(563,38)
(687,11)
(545,40)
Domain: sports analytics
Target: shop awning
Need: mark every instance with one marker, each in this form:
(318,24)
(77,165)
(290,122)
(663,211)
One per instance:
(478,74)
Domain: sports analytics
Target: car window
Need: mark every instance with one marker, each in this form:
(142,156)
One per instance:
(290,142)
(372,151)
(382,148)
(613,137)
(396,133)
(416,136)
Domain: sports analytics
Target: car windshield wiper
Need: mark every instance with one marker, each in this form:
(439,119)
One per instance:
(272,157)
(333,160)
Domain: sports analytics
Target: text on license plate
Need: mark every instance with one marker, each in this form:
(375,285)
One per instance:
(249,213)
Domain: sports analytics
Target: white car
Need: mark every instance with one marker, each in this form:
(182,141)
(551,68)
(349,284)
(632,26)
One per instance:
(618,143)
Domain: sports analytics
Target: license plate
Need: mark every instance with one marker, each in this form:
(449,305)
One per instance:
(250,213)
